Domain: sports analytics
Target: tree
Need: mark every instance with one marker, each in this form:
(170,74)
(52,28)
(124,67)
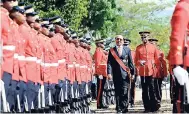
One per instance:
(101,14)
(140,17)
(72,11)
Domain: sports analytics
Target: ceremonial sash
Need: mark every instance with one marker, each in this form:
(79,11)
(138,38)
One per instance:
(120,62)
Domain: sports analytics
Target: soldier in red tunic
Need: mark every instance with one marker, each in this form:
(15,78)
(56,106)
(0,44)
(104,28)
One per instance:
(179,54)
(145,57)
(100,70)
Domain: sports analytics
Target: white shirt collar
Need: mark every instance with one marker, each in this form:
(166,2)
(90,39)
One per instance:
(119,46)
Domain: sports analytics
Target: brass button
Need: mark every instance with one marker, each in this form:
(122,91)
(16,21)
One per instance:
(179,48)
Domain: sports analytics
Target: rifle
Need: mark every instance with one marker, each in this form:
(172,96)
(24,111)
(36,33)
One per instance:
(42,86)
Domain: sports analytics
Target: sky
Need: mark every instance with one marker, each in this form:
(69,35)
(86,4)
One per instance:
(167,11)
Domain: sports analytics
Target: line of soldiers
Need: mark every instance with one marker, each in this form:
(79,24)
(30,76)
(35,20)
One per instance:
(46,67)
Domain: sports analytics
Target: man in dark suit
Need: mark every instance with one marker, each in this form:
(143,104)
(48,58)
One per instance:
(121,77)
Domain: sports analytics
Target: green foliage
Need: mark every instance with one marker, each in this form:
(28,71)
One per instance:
(101,17)
(142,17)
(74,11)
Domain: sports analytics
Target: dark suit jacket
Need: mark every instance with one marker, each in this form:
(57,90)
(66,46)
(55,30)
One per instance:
(114,68)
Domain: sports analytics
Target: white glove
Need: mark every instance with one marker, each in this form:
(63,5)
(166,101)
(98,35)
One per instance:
(142,62)
(138,79)
(100,77)
(180,74)
(133,77)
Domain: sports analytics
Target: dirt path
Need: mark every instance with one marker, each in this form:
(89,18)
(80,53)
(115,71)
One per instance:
(166,106)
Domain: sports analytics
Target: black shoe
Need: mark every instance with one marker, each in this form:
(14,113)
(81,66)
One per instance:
(132,105)
(146,111)
(125,111)
(102,107)
(119,111)
(155,109)
(92,111)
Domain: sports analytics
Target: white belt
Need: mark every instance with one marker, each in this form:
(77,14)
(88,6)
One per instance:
(42,64)
(61,61)
(103,64)
(49,64)
(31,59)
(86,66)
(54,64)
(38,61)
(76,65)
(9,47)
(21,58)
(70,65)
(45,64)
(89,69)
(16,56)
(82,66)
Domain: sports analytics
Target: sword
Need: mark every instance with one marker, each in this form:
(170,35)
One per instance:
(72,92)
(5,109)
(18,103)
(129,95)
(43,95)
(66,95)
(61,96)
(26,103)
(50,99)
(39,98)
(42,86)
(166,91)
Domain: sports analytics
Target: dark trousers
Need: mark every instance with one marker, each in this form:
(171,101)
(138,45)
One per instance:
(31,93)
(89,87)
(75,89)
(82,90)
(148,93)
(46,91)
(172,89)
(21,89)
(49,87)
(10,89)
(132,92)
(58,88)
(53,92)
(179,104)
(122,87)
(158,90)
(100,89)
(93,90)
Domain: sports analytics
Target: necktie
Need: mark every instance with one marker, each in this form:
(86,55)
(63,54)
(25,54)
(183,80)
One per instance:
(119,51)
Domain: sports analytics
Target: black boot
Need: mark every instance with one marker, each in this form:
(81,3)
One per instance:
(47,109)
